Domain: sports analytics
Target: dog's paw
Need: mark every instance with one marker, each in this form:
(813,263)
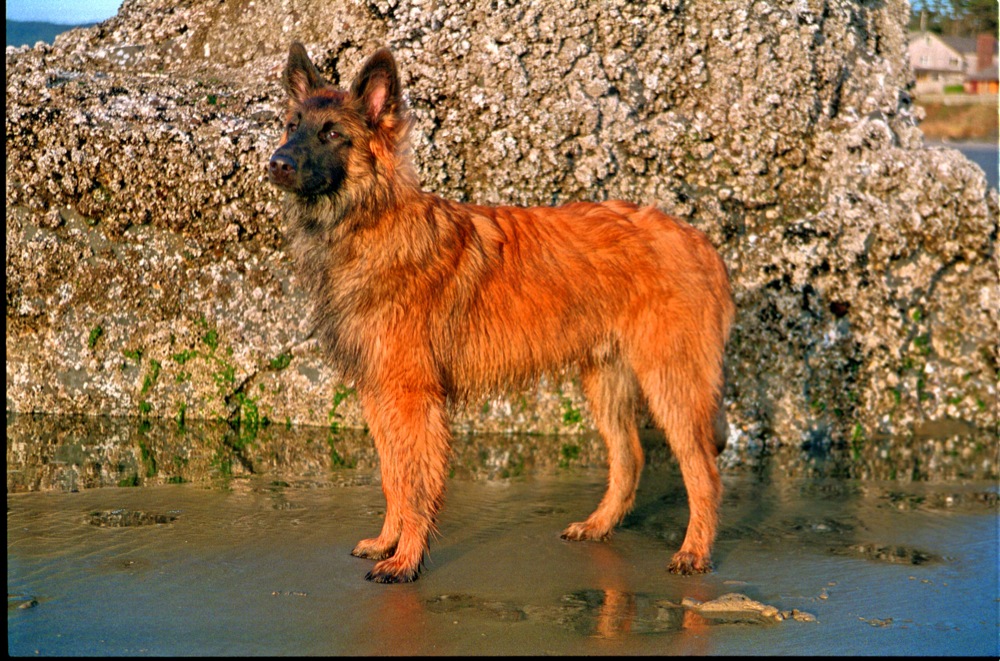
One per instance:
(388,571)
(372,549)
(688,563)
(583,531)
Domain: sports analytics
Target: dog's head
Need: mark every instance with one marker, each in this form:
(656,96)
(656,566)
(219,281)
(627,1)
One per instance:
(335,139)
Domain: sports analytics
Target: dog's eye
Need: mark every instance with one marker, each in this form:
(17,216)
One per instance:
(327,133)
(292,127)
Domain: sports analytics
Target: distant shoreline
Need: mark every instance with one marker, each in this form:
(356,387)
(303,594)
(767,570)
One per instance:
(28,33)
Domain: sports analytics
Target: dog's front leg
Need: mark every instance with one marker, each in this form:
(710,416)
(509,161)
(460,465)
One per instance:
(383,546)
(411,434)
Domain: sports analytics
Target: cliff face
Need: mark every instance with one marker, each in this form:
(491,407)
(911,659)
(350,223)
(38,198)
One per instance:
(145,270)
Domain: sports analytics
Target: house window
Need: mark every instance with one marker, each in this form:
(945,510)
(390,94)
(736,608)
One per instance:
(924,60)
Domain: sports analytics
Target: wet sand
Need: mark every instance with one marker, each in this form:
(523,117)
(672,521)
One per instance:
(260,564)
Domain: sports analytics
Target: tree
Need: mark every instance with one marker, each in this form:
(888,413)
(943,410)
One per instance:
(981,16)
(960,18)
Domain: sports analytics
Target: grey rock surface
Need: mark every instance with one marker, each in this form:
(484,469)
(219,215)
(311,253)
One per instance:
(145,273)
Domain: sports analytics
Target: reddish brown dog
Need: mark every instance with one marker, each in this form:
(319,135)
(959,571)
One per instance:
(420,301)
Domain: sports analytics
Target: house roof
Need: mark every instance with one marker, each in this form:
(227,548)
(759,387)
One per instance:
(960,45)
(963,45)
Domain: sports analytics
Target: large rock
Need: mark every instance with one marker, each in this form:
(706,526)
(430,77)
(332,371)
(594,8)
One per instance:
(145,271)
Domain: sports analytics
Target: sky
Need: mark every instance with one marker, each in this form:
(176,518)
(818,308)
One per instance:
(68,12)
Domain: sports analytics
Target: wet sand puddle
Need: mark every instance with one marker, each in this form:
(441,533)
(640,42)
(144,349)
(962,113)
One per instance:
(149,539)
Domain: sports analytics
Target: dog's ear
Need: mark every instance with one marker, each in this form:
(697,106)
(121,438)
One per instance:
(377,87)
(301,78)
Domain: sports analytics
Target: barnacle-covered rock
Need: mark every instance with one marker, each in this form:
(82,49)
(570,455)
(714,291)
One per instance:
(144,262)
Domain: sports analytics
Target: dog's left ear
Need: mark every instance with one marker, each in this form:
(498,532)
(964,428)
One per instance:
(377,87)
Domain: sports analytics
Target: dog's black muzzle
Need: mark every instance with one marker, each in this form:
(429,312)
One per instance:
(282,170)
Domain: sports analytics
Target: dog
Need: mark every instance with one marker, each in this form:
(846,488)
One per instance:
(422,302)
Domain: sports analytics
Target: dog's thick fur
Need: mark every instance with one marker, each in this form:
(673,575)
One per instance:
(420,300)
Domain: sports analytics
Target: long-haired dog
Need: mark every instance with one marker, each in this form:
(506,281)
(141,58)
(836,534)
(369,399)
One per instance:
(420,301)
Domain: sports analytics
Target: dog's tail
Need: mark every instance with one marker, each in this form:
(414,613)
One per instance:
(721,429)
(721,426)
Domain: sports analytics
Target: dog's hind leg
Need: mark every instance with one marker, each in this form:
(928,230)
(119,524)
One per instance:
(682,386)
(612,391)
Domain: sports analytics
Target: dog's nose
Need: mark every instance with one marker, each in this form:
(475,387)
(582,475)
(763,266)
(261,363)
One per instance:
(281,167)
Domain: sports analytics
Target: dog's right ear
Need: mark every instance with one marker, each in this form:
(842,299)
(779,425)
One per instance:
(301,78)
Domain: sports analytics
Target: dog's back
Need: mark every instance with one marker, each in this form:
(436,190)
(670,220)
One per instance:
(532,289)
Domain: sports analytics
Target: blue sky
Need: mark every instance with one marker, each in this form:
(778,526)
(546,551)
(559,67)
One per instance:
(68,12)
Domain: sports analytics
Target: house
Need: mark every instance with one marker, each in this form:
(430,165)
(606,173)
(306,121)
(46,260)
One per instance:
(938,61)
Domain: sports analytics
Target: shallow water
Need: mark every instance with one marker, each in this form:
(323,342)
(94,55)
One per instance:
(240,544)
